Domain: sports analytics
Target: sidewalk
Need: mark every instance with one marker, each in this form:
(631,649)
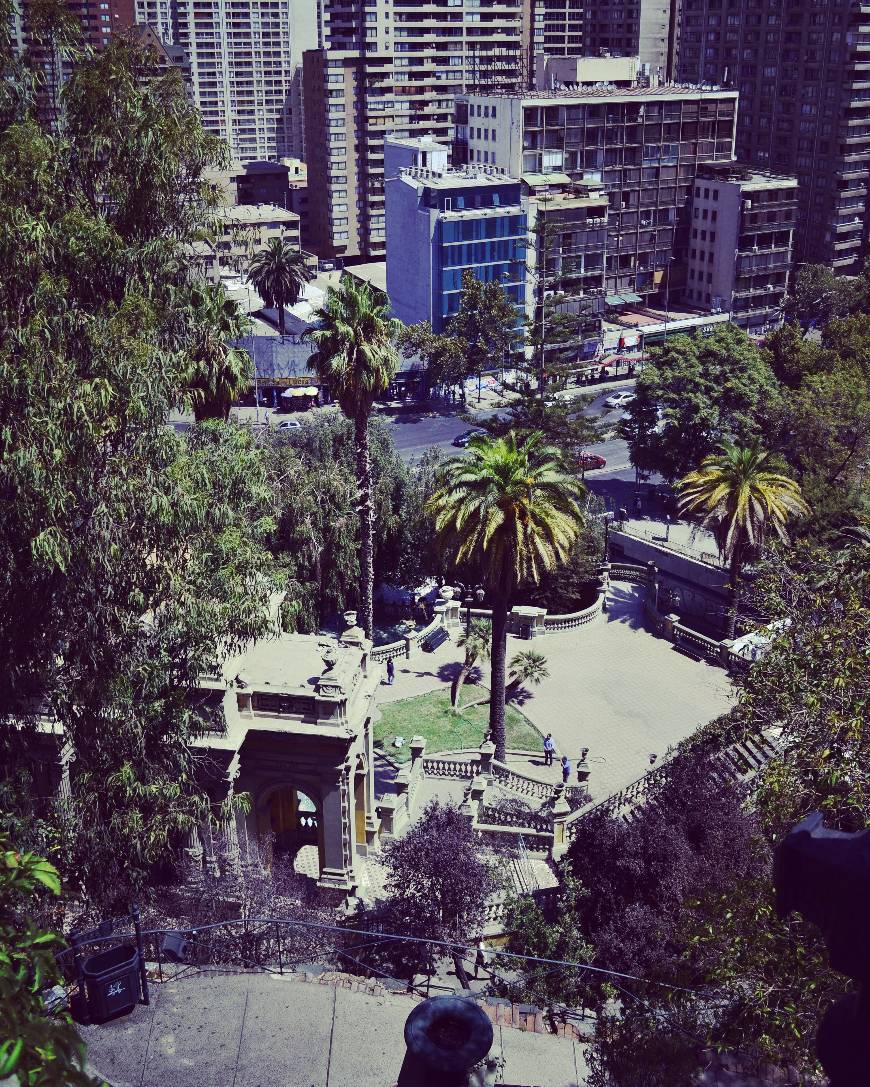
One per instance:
(261,1030)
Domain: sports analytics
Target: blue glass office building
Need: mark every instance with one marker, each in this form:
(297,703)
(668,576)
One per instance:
(441,222)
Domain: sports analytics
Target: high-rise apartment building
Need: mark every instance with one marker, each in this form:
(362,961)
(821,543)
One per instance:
(643,145)
(245,60)
(557,28)
(802,68)
(631,28)
(394,68)
(740,247)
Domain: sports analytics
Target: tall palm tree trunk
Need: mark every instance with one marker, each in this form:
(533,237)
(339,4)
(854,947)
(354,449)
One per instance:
(366,523)
(497,674)
(281,324)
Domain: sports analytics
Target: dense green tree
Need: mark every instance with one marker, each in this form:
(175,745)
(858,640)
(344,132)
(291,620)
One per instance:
(312,475)
(710,389)
(740,500)
(37,1047)
(355,356)
(437,884)
(218,372)
(817,295)
(509,506)
(279,274)
(486,324)
(444,356)
(129,557)
(825,437)
(551,935)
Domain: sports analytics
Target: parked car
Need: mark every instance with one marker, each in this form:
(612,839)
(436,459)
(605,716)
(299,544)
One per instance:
(289,424)
(462,440)
(591,460)
(620,399)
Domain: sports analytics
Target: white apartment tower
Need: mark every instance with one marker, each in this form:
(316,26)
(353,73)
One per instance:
(246,66)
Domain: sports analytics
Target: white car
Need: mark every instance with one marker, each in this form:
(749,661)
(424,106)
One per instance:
(620,399)
(289,424)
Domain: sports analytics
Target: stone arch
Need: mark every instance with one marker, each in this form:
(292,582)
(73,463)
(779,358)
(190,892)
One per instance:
(289,816)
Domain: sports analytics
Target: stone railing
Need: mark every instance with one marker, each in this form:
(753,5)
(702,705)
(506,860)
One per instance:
(493,815)
(519,783)
(576,619)
(626,571)
(405,646)
(737,764)
(382,653)
(451,768)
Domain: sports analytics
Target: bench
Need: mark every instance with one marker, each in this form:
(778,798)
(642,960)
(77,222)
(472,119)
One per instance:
(431,642)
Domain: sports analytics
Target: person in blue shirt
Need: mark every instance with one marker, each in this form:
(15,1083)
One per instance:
(549,750)
(566,769)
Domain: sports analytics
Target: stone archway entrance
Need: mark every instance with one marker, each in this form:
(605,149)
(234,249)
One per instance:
(291,821)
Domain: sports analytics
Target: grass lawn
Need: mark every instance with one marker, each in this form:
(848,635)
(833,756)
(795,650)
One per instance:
(430,716)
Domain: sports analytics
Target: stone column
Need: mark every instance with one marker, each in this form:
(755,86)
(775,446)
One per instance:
(487,754)
(561,811)
(336,829)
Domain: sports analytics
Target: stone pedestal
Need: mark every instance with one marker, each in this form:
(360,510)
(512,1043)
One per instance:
(526,621)
(561,811)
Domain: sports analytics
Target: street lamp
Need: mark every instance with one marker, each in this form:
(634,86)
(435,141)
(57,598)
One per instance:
(607,518)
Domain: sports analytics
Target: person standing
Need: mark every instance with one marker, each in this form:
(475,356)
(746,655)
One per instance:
(549,750)
(566,769)
(391,671)
(480,959)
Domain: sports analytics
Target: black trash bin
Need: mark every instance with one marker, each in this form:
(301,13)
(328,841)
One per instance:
(112,982)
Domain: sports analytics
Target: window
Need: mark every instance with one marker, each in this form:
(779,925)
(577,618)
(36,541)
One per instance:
(706,194)
(705,214)
(714,215)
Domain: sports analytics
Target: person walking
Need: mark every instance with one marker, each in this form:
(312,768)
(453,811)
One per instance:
(480,959)
(549,750)
(391,671)
(566,769)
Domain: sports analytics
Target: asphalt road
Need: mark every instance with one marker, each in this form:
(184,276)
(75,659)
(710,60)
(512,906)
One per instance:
(416,432)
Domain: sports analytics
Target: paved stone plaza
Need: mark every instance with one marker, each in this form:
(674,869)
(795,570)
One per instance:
(258,1030)
(614,687)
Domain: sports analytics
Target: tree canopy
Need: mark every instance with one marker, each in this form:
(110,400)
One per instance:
(130,557)
(709,389)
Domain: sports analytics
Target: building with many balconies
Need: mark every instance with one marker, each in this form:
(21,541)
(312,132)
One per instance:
(803,73)
(740,249)
(642,145)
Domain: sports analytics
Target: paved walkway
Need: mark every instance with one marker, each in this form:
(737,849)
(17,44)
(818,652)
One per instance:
(614,688)
(260,1030)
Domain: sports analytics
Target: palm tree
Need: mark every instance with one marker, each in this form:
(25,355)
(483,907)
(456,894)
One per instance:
(738,497)
(475,641)
(356,357)
(217,372)
(526,667)
(509,506)
(279,274)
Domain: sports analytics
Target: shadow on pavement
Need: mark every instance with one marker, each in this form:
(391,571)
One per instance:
(625,605)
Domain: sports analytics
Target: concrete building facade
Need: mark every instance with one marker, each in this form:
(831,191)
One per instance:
(803,73)
(740,249)
(642,145)
(442,222)
(245,58)
(566,259)
(393,68)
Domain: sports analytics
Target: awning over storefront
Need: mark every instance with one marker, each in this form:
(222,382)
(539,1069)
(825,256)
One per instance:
(629,297)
